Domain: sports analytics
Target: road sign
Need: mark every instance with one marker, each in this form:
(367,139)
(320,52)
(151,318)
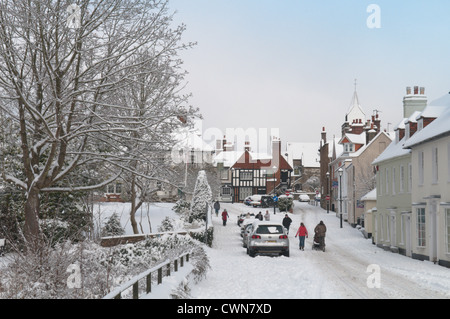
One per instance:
(275,198)
(327,198)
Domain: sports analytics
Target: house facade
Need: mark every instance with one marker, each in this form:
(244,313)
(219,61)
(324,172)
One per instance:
(392,218)
(430,158)
(350,173)
(260,174)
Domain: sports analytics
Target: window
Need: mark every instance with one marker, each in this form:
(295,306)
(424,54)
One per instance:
(349,147)
(409,177)
(226,191)
(421,168)
(246,175)
(421,227)
(448,162)
(245,192)
(393,180)
(435,168)
(402,179)
(447,228)
(387,181)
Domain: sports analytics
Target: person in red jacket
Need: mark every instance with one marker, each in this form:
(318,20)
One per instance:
(225,217)
(302,233)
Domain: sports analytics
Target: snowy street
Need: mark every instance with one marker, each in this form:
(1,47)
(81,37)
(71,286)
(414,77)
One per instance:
(340,272)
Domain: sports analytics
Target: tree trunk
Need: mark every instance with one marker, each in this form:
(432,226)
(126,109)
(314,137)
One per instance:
(32,230)
(133,206)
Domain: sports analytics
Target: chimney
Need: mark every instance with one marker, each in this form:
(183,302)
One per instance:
(247,146)
(324,135)
(370,134)
(422,91)
(415,102)
(276,148)
(377,123)
(224,142)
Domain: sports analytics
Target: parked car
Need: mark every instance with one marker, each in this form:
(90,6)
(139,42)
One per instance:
(304,198)
(247,200)
(263,201)
(256,200)
(268,238)
(242,217)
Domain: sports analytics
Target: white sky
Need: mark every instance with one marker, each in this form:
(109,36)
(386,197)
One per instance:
(290,65)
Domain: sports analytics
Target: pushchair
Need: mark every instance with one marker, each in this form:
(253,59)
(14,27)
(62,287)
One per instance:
(318,243)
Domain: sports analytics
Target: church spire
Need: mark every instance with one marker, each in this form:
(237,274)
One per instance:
(355,112)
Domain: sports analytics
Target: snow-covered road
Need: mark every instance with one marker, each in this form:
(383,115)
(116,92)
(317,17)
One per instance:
(340,272)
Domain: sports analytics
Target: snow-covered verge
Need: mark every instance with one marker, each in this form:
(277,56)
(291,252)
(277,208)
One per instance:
(46,274)
(346,270)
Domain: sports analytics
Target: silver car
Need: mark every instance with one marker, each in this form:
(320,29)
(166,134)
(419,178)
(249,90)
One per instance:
(268,238)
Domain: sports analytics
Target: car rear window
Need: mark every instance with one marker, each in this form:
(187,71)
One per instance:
(269,229)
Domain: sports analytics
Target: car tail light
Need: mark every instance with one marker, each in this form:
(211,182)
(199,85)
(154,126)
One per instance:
(256,237)
(283,237)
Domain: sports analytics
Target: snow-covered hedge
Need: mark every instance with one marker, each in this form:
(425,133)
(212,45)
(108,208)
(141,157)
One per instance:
(44,274)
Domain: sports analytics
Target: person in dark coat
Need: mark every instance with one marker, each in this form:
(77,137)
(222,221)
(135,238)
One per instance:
(320,231)
(287,222)
(259,216)
(217,207)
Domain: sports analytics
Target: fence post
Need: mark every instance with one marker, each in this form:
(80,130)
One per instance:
(159,275)
(136,290)
(175,265)
(168,270)
(149,283)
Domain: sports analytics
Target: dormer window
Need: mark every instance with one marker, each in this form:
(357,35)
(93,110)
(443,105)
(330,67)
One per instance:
(349,147)
(420,124)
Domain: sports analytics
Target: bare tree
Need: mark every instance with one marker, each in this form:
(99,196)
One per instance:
(64,69)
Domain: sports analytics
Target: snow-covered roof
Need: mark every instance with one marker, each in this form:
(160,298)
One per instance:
(372,195)
(307,152)
(393,150)
(354,138)
(389,135)
(439,127)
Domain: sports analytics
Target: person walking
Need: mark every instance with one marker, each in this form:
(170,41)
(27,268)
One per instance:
(267,216)
(320,231)
(302,233)
(225,217)
(259,216)
(217,207)
(287,222)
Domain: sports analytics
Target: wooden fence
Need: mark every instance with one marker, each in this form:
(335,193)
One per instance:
(160,269)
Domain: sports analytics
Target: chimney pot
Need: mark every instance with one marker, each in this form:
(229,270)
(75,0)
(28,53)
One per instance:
(416,90)
(408,90)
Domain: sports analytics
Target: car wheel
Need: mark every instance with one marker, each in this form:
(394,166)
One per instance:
(251,252)
(286,253)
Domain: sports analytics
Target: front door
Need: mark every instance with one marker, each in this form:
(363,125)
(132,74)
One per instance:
(406,224)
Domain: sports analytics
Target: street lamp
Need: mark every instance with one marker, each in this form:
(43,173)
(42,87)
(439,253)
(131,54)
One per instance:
(340,170)
(274,193)
(328,192)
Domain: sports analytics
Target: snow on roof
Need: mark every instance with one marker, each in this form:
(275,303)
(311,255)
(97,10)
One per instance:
(393,150)
(372,195)
(439,127)
(307,152)
(354,138)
